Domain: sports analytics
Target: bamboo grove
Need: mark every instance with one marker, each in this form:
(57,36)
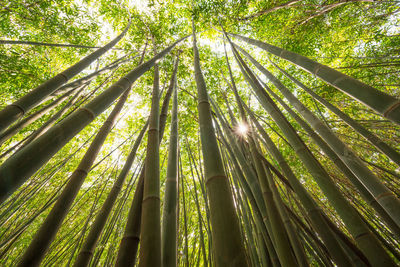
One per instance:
(200,133)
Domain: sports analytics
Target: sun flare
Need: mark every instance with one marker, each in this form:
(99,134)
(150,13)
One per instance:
(242,129)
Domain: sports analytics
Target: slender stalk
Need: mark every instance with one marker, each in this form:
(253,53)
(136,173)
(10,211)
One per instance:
(100,220)
(32,118)
(364,238)
(282,244)
(43,238)
(19,42)
(227,244)
(203,247)
(17,109)
(45,126)
(20,166)
(150,247)
(367,178)
(313,210)
(375,140)
(386,105)
(186,247)
(130,241)
(113,65)
(169,222)
(367,196)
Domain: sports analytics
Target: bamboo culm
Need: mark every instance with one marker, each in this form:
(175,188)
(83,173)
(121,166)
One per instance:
(130,241)
(368,179)
(364,238)
(20,107)
(43,238)
(20,166)
(150,232)
(86,251)
(170,206)
(386,105)
(227,244)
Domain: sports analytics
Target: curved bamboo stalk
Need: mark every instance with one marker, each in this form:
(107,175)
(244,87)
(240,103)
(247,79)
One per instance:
(46,233)
(227,244)
(368,197)
(19,42)
(363,236)
(386,105)
(86,251)
(375,140)
(32,118)
(368,179)
(19,167)
(17,109)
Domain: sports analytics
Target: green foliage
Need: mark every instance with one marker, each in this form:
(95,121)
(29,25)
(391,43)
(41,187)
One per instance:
(358,38)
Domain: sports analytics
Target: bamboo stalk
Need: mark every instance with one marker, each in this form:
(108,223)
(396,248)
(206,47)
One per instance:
(227,244)
(386,105)
(169,222)
(17,109)
(43,238)
(86,251)
(367,178)
(356,226)
(19,167)
(130,241)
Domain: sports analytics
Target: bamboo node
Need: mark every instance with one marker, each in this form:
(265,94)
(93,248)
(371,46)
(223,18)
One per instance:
(391,108)
(383,195)
(129,81)
(203,101)
(151,197)
(91,114)
(63,75)
(214,177)
(132,237)
(361,235)
(338,80)
(19,107)
(317,68)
